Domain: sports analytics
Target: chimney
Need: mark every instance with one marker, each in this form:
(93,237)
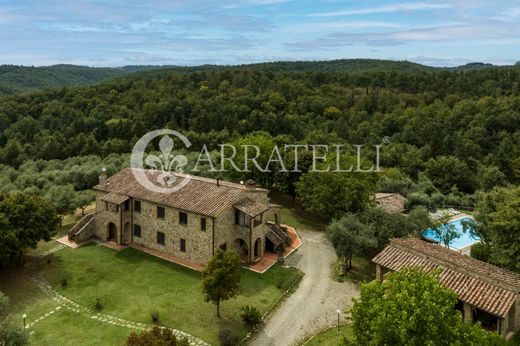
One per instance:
(103,176)
(251,185)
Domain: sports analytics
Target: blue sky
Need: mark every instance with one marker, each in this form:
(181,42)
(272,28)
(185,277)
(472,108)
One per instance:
(193,32)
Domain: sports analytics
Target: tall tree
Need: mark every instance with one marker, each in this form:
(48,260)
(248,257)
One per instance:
(221,277)
(349,237)
(497,222)
(25,219)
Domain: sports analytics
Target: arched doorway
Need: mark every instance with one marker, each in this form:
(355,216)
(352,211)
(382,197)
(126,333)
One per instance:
(258,244)
(241,247)
(112,231)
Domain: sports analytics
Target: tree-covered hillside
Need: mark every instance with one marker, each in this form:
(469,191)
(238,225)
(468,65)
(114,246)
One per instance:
(14,79)
(460,129)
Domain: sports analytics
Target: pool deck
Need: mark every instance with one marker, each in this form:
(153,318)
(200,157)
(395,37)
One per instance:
(460,216)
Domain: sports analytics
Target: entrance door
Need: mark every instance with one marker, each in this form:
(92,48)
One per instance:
(112,231)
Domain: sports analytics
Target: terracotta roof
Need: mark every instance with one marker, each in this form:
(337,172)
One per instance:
(477,283)
(114,197)
(250,207)
(391,202)
(200,195)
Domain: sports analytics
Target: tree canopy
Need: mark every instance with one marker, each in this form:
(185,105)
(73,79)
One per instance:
(25,219)
(411,308)
(221,277)
(497,222)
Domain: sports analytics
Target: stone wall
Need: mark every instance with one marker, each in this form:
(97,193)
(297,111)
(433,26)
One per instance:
(200,244)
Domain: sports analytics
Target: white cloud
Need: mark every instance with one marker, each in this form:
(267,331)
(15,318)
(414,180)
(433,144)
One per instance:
(415,6)
(339,25)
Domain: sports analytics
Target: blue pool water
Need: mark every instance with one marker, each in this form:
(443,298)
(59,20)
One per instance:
(464,240)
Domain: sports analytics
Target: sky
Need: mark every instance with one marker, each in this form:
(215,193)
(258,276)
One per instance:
(194,32)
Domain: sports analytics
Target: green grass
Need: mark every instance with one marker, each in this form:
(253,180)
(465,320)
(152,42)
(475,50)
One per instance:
(24,296)
(363,270)
(330,336)
(132,284)
(292,214)
(69,328)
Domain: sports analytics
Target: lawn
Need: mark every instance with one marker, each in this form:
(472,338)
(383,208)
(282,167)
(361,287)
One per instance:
(330,336)
(69,328)
(131,285)
(363,270)
(294,215)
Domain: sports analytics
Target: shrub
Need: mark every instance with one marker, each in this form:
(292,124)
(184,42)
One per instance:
(64,282)
(155,316)
(437,199)
(97,305)
(156,336)
(416,199)
(11,333)
(480,251)
(227,337)
(251,316)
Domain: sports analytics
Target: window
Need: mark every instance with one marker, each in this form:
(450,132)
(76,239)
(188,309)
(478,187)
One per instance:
(137,231)
(127,204)
(160,212)
(183,218)
(160,238)
(137,206)
(223,247)
(183,245)
(240,218)
(203,223)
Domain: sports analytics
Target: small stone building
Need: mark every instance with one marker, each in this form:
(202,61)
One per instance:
(391,202)
(485,292)
(190,223)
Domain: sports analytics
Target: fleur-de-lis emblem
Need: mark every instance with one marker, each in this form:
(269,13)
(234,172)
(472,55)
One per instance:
(166,162)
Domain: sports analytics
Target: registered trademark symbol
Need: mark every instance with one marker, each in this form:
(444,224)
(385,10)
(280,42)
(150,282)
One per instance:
(386,139)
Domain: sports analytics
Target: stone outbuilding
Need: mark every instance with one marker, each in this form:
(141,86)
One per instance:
(485,292)
(391,202)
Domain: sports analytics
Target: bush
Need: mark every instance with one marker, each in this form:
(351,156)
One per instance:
(480,251)
(97,305)
(64,282)
(251,316)
(418,199)
(437,199)
(227,337)
(11,332)
(155,316)
(156,336)
(4,301)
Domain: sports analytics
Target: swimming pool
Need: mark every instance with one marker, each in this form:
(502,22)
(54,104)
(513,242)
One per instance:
(465,239)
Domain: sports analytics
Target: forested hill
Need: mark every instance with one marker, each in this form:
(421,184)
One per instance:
(472,117)
(14,79)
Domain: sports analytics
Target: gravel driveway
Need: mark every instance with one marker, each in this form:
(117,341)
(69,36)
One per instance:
(313,305)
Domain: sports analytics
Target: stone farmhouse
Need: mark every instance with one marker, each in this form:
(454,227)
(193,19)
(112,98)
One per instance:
(485,292)
(190,223)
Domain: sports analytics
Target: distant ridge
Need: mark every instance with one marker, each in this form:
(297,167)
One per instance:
(16,79)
